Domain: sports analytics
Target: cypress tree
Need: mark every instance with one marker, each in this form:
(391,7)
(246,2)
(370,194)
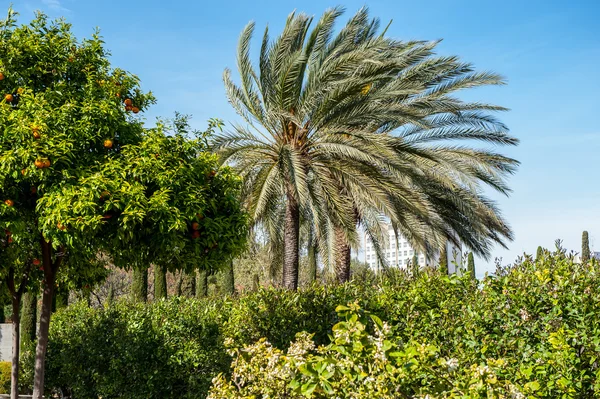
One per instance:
(28,320)
(414,263)
(444,259)
(585,247)
(188,284)
(160,282)
(110,297)
(202,284)
(228,279)
(471,265)
(139,287)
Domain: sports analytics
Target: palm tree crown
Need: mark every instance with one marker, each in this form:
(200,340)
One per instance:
(343,129)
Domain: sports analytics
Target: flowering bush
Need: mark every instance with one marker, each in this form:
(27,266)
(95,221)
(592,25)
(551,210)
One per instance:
(357,364)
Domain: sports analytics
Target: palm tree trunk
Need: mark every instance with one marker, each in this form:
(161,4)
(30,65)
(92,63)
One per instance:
(342,257)
(312,263)
(291,234)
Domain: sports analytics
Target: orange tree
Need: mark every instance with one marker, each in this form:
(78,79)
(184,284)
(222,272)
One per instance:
(75,158)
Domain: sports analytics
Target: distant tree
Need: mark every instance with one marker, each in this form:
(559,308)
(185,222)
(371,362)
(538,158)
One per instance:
(256,282)
(585,247)
(28,320)
(160,282)
(539,254)
(443,265)
(414,263)
(139,286)
(188,284)
(202,284)
(471,265)
(228,279)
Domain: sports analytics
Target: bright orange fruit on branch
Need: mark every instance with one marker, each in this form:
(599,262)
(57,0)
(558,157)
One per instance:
(128,102)
(9,202)
(195,226)
(1,76)
(36,262)
(128,108)
(108,143)
(46,163)
(60,226)
(9,98)
(36,134)
(39,163)
(135,110)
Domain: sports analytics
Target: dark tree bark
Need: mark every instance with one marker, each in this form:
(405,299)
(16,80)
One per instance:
(291,234)
(202,284)
(50,269)
(312,263)
(139,286)
(160,282)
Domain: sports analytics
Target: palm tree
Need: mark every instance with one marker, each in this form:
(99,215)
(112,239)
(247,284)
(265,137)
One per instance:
(343,129)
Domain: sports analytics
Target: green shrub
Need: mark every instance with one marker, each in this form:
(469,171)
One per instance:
(5,370)
(538,319)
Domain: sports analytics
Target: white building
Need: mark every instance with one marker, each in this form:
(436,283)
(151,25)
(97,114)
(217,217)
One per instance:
(399,253)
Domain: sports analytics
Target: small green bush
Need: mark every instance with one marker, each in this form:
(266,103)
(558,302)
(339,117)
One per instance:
(5,370)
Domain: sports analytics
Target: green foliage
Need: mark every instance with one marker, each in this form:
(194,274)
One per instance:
(529,330)
(5,370)
(28,320)
(539,254)
(585,247)
(139,285)
(202,284)
(443,262)
(160,282)
(188,284)
(228,281)
(471,266)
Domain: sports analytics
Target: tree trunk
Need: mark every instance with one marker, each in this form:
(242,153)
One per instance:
(160,282)
(139,286)
(16,324)
(228,279)
(312,263)
(443,263)
(290,243)
(28,320)
(342,257)
(50,270)
(202,284)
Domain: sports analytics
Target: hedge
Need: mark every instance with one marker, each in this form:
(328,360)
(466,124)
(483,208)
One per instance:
(540,318)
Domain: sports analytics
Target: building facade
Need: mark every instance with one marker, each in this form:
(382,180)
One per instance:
(399,253)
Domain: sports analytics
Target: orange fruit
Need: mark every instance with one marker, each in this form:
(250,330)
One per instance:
(1,76)
(23,171)
(60,226)
(128,108)
(20,90)
(33,190)
(36,134)
(46,163)
(108,143)
(196,234)
(36,262)
(9,202)
(39,164)
(118,94)
(128,102)
(106,216)
(9,98)
(135,110)
(195,226)
(10,240)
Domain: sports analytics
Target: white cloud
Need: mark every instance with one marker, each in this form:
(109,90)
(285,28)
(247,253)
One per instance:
(55,5)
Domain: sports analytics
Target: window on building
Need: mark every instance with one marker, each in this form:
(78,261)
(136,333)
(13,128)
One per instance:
(405,253)
(405,244)
(411,252)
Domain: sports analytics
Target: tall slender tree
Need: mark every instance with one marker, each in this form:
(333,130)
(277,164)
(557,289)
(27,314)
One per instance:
(228,280)
(160,282)
(202,284)
(471,265)
(342,127)
(585,247)
(443,261)
(139,285)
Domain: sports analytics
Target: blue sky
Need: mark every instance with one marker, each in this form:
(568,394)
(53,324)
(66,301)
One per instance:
(548,50)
